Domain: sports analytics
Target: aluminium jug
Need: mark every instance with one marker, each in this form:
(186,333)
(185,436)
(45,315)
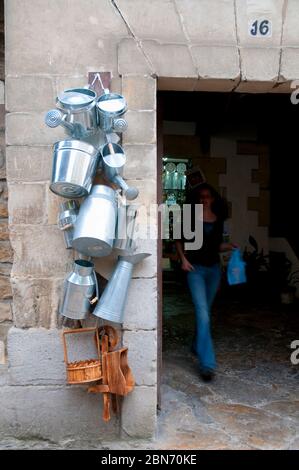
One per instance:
(79,288)
(94,230)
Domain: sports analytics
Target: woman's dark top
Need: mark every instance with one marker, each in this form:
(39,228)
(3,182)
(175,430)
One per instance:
(208,254)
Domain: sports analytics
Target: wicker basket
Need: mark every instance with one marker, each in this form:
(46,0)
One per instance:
(89,370)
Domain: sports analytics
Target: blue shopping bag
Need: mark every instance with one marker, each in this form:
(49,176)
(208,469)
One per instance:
(236,272)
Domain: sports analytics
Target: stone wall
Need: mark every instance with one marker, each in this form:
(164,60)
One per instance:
(53,44)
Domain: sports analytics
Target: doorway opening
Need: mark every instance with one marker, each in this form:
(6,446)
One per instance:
(246,147)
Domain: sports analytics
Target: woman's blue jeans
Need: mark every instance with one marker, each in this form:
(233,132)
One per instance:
(203,284)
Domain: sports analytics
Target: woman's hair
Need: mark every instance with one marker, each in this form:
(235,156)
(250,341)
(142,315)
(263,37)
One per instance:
(219,204)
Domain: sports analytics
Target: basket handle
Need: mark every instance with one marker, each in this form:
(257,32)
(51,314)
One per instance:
(79,330)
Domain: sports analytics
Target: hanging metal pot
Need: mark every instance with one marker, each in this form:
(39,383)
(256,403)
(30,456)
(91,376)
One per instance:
(79,108)
(124,243)
(110,107)
(66,220)
(74,167)
(111,305)
(94,230)
(79,288)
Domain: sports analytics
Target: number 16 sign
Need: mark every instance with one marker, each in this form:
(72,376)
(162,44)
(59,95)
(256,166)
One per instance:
(260,27)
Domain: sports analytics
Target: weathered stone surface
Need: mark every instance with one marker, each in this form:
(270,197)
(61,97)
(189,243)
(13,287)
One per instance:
(32,305)
(205,24)
(142,355)
(141,404)
(153,24)
(290,63)
(5,269)
(3,209)
(4,234)
(170,60)
(6,255)
(141,310)
(5,311)
(96,52)
(290,30)
(29,93)
(247,12)
(2,89)
(29,163)
(140,92)
(141,161)
(53,201)
(216,62)
(39,250)
(26,203)
(30,129)
(141,127)
(177,84)
(5,288)
(131,59)
(2,352)
(259,64)
(53,414)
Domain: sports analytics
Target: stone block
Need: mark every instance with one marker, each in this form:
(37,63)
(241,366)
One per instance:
(30,129)
(29,93)
(2,92)
(140,92)
(141,127)
(132,59)
(2,353)
(216,62)
(29,163)
(53,202)
(141,161)
(206,24)
(141,310)
(5,268)
(160,21)
(32,305)
(170,60)
(26,203)
(5,311)
(289,69)
(142,355)
(251,10)
(6,255)
(290,35)
(220,85)
(4,233)
(260,64)
(56,414)
(39,251)
(5,288)
(177,84)
(142,404)
(54,33)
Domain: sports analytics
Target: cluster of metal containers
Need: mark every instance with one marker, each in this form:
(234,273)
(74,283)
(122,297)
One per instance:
(101,223)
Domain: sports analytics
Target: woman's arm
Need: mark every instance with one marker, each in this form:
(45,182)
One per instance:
(186,266)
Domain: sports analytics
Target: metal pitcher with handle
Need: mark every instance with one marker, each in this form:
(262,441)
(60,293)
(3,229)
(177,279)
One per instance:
(79,288)
(94,230)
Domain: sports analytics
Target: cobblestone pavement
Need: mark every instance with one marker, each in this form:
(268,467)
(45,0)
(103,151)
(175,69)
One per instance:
(253,402)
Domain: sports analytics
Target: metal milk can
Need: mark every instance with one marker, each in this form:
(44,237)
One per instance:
(79,288)
(110,107)
(94,230)
(74,166)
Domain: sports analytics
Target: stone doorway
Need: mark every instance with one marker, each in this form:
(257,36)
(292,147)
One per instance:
(252,402)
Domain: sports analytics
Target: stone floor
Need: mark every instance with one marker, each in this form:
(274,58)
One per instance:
(253,403)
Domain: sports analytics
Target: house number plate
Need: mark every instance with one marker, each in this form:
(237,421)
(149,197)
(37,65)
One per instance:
(260,28)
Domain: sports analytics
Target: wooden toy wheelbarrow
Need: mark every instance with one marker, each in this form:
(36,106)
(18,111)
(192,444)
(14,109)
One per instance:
(117,377)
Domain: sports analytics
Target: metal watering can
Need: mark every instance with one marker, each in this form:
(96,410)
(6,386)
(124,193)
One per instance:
(76,112)
(124,243)
(113,161)
(79,288)
(74,167)
(110,107)
(111,305)
(66,220)
(94,230)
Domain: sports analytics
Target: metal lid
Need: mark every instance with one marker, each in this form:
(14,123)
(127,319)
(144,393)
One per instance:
(74,98)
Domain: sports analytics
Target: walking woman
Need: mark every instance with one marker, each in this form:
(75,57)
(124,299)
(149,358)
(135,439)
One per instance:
(204,271)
